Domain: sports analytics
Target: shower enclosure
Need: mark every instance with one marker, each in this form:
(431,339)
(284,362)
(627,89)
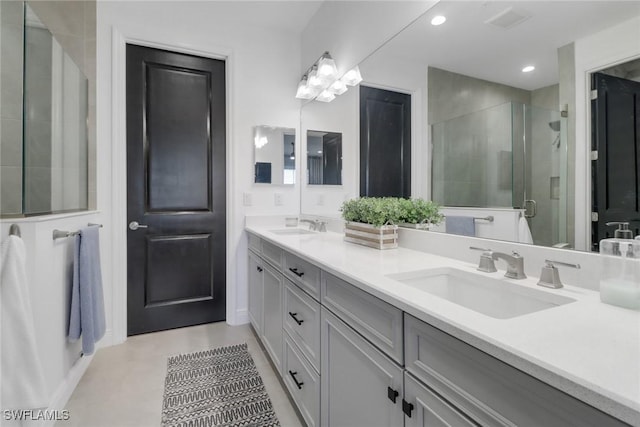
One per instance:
(511,155)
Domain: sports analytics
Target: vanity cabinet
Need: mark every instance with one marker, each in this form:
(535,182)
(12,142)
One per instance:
(265,291)
(424,408)
(349,358)
(360,385)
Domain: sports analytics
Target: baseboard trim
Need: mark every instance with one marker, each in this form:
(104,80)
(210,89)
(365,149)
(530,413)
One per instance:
(66,388)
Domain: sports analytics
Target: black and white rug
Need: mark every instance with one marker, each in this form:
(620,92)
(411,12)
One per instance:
(219,387)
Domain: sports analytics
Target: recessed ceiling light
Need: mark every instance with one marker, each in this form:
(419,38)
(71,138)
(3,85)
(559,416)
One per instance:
(528,69)
(438,20)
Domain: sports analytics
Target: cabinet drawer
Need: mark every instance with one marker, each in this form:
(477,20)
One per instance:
(254,243)
(487,389)
(376,320)
(302,322)
(303,383)
(303,274)
(273,254)
(429,409)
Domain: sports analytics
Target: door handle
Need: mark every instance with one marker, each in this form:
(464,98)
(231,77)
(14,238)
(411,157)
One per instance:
(134,225)
(296,272)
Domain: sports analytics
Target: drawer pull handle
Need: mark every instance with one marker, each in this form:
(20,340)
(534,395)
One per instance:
(298,321)
(298,384)
(296,272)
(407,408)
(392,394)
(259,269)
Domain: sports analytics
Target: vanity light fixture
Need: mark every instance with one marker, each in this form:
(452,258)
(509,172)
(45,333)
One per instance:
(528,69)
(321,82)
(438,20)
(326,96)
(352,77)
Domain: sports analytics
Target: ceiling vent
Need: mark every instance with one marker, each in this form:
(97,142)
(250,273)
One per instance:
(508,18)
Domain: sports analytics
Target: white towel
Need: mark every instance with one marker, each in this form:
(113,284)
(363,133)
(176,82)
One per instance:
(23,383)
(524,233)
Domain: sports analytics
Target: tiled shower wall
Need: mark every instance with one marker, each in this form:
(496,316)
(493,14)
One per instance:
(11,41)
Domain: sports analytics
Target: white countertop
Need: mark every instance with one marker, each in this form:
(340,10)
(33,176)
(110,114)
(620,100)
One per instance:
(587,349)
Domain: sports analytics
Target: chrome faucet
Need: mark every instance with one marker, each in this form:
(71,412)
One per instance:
(515,264)
(549,276)
(487,264)
(316,225)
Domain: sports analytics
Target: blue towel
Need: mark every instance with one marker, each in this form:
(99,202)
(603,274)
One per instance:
(87,301)
(462,225)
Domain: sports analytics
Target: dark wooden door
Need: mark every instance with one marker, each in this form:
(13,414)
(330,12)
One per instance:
(176,190)
(616,138)
(385,143)
(332,159)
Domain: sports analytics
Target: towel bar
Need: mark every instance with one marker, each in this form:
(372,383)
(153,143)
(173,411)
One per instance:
(489,218)
(59,234)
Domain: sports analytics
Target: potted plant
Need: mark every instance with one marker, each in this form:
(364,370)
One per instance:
(419,213)
(372,221)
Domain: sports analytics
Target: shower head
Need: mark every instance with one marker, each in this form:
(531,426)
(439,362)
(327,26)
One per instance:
(555,126)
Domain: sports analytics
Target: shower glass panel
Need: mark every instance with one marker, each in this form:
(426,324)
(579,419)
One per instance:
(473,159)
(509,156)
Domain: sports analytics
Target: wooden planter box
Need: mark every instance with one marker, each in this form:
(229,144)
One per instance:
(384,237)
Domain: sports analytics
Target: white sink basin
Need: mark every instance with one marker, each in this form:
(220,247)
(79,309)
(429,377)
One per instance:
(292,231)
(492,297)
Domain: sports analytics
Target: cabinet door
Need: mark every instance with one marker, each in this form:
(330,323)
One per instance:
(273,285)
(357,379)
(427,409)
(255,292)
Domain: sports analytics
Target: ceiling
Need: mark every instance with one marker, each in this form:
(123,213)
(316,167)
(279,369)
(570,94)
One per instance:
(467,45)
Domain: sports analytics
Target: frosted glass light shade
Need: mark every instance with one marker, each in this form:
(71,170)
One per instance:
(326,96)
(327,68)
(315,81)
(338,87)
(304,91)
(352,77)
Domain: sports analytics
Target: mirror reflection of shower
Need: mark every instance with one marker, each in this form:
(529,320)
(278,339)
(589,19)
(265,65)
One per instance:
(555,126)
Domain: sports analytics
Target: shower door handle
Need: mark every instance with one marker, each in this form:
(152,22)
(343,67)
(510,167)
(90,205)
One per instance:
(134,225)
(534,208)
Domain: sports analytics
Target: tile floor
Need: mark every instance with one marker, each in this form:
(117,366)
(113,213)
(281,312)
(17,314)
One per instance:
(124,384)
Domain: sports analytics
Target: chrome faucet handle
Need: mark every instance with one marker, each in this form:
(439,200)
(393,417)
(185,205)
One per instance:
(550,277)
(322,226)
(312,224)
(486,264)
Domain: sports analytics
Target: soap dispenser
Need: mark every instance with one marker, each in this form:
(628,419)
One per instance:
(620,279)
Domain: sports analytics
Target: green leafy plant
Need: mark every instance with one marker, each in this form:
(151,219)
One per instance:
(379,211)
(376,211)
(420,211)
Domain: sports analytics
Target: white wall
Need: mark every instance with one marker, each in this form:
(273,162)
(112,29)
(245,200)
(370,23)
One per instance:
(614,45)
(262,73)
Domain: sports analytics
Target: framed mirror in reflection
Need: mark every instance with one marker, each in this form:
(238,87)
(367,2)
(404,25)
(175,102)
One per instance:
(324,158)
(275,155)
(503,115)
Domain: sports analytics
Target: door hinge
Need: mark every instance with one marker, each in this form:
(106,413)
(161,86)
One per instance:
(392,394)
(594,216)
(407,408)
(594,155)
(594,94)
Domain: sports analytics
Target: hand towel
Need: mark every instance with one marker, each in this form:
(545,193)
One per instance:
(23,383)
(524,232)
(86,318)
(462,225)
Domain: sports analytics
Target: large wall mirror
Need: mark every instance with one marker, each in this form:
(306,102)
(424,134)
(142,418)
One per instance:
(44,119)
(493,139)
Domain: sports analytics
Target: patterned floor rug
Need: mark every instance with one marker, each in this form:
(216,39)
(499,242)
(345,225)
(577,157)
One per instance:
(219,387)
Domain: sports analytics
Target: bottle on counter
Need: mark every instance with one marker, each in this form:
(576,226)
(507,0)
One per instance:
(620,279)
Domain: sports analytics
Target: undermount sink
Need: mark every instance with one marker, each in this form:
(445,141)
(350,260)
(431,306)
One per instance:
(292,231)
(486,295)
